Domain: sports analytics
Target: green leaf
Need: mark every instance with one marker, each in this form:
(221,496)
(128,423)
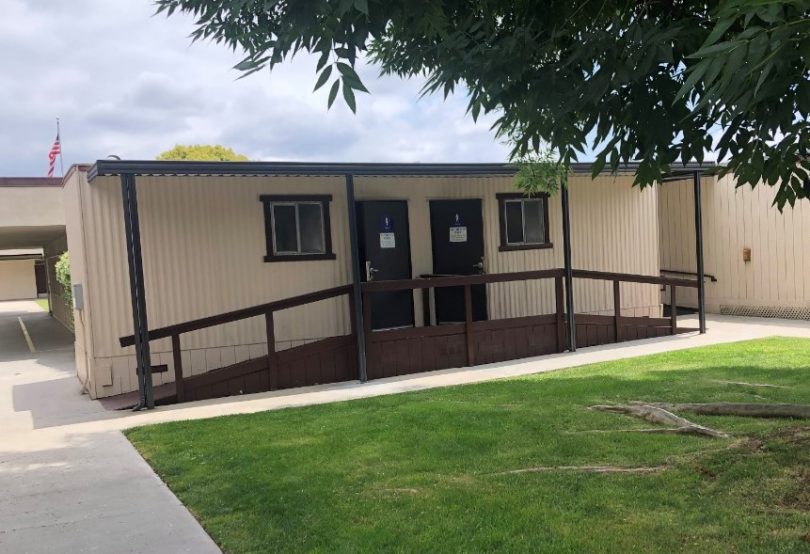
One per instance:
(323,77)
(361,5)
(333,93)
(348,96)
(718,48)
(694,76)
(354,83)
(597,166)
(346,69)
(719,29)
(245,65)
(322,60)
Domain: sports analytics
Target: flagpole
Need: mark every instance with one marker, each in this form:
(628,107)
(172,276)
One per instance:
(61,160)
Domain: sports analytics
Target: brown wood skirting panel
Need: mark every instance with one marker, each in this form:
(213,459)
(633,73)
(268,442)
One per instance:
(417,353)
(593,330)
(418,349)
(326,361)
(412,350)
(535,337)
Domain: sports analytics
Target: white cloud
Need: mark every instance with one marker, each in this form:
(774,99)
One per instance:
(127,83)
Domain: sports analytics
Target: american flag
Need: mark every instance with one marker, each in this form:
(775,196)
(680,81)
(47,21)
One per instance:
(56,150)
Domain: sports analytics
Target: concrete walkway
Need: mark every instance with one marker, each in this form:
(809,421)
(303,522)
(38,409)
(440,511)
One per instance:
(63,489)
(71,482)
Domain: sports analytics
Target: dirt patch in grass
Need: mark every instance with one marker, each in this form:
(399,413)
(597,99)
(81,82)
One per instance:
(799,499)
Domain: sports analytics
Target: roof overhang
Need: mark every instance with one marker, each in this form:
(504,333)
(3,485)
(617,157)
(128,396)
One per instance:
(103,168)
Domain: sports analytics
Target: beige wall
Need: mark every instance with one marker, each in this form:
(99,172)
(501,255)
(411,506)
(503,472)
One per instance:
(30,216)
(774,282)
(34,206)
(203,243)
(17,280)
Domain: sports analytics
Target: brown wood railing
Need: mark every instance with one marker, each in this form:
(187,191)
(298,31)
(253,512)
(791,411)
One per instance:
(466,281)
(469,329)
(430,281)
(267,310)
(618,278)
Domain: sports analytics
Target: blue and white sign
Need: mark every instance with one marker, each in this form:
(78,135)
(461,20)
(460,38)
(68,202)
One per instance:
(458,231)
(387,237)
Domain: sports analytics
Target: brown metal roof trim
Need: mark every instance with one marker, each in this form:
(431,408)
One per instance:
(258,168)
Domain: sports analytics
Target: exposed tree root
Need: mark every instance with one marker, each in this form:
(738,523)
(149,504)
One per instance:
(797,411)
(744,384)
(662,430)
(587,469)
(657,414)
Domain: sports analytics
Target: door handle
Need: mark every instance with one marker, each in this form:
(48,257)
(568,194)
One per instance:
(479,266)
(370,271)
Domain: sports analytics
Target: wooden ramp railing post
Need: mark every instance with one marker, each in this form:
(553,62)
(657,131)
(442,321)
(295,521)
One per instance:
(179,385)
(272,366)
(426,307)
(468,325)
(673,309)
(371,371)
(617,309)
(560,301)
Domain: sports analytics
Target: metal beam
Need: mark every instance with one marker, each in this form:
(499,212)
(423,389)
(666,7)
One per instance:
(701,274)
(140,323)
(357,297)
(569,270)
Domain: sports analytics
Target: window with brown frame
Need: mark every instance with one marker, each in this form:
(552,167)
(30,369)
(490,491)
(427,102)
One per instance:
(297,227)
(524,221)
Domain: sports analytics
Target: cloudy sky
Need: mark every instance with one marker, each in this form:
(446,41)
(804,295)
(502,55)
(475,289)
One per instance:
(128,83)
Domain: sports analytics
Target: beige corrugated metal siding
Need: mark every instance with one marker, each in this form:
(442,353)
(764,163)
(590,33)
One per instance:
(774,282)
(203,245)
(614,228)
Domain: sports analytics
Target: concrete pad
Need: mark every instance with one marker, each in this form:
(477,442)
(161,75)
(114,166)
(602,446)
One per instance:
(65,488)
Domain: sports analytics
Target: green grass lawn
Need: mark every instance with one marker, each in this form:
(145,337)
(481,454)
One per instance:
(43,303)
(417,472)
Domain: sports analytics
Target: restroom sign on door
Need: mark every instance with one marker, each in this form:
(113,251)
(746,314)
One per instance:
(387,236)
(458,231)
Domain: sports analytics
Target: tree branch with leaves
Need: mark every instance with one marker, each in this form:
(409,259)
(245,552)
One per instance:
(660,82)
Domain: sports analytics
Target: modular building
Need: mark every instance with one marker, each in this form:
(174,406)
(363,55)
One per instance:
(217,240)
